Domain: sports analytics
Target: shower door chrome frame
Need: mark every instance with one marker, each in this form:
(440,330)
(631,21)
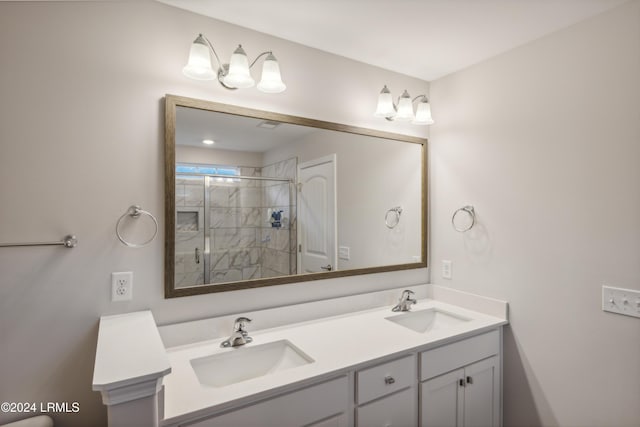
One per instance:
(207,230)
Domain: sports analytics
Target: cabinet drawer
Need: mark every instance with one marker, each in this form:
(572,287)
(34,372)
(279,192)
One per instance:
(298,408)
(397,410)
(452,356)
(381,380)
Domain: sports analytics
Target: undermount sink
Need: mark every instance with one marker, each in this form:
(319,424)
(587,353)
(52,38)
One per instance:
(248,362)
(428,320)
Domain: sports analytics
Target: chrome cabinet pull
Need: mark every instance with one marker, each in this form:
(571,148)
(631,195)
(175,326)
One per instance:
(469,380)
(197,256)
(389,380)
(327,267)
(461,382)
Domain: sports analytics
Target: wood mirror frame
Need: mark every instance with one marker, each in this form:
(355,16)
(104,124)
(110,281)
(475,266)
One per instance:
(171,104)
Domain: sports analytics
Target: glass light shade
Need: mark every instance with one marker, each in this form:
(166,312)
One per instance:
(199,65)
(238,75)
(271,81)
(423,114)
(405,108)
(385,104)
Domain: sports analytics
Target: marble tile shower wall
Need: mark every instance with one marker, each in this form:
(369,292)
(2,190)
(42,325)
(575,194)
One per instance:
(189,231)
(243,244)
(235,221)
(279,255)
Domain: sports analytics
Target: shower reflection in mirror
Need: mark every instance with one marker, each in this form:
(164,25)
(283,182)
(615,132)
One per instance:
(233,223)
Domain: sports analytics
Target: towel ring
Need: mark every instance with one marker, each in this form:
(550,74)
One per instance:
(135,211)
(394,219)
(472,214)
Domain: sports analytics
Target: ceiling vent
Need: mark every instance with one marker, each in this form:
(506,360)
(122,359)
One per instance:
(268,124)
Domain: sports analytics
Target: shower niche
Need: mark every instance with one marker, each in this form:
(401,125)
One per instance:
(234,223)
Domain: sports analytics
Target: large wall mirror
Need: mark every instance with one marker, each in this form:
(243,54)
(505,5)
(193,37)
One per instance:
(255,198)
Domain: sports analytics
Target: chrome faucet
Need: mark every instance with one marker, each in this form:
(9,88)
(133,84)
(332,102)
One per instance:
(240,336)
(405,302)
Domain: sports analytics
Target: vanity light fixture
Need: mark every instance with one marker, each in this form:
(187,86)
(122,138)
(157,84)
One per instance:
(208,141)
(403,111)
(235,74)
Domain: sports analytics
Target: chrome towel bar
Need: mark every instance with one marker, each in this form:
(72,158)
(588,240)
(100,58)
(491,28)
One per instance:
(69,241)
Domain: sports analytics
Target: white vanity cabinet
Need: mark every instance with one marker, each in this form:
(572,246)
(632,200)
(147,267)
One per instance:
(396,410)
(439,365)
(453,385)
(322,405)
(461,383)
(386,394)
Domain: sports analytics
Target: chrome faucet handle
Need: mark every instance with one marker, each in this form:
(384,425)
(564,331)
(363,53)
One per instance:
(240,324)
(240,336)
(405,301)
(407,294)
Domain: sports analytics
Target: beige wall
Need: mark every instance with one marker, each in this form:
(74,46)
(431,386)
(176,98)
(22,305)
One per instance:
(81,139)
(372,175)
(544,141)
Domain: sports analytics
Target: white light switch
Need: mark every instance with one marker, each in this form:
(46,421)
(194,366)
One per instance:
(621,301)
(343,253)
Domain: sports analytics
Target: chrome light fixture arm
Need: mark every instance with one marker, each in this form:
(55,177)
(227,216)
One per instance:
(268,52)
(212,50)
(424,97)
(223,69)
(395,104)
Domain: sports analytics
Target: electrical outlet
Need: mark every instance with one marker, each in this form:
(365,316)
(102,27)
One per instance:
(446,269)
(122,286)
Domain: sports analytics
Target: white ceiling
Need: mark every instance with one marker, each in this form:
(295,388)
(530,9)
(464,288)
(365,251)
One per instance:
(426,39)
(232,132)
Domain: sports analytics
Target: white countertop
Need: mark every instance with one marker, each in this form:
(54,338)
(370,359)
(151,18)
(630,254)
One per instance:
(129,351)
(336,344)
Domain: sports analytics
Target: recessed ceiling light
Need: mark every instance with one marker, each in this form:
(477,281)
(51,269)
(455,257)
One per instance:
(208,141)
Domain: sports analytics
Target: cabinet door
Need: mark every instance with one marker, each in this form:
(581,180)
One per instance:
(396,410)
(337,421)
(482,394)
(442,400)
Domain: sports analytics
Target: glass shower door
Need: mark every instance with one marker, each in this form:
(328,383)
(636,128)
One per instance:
(190,231)
(233,228)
